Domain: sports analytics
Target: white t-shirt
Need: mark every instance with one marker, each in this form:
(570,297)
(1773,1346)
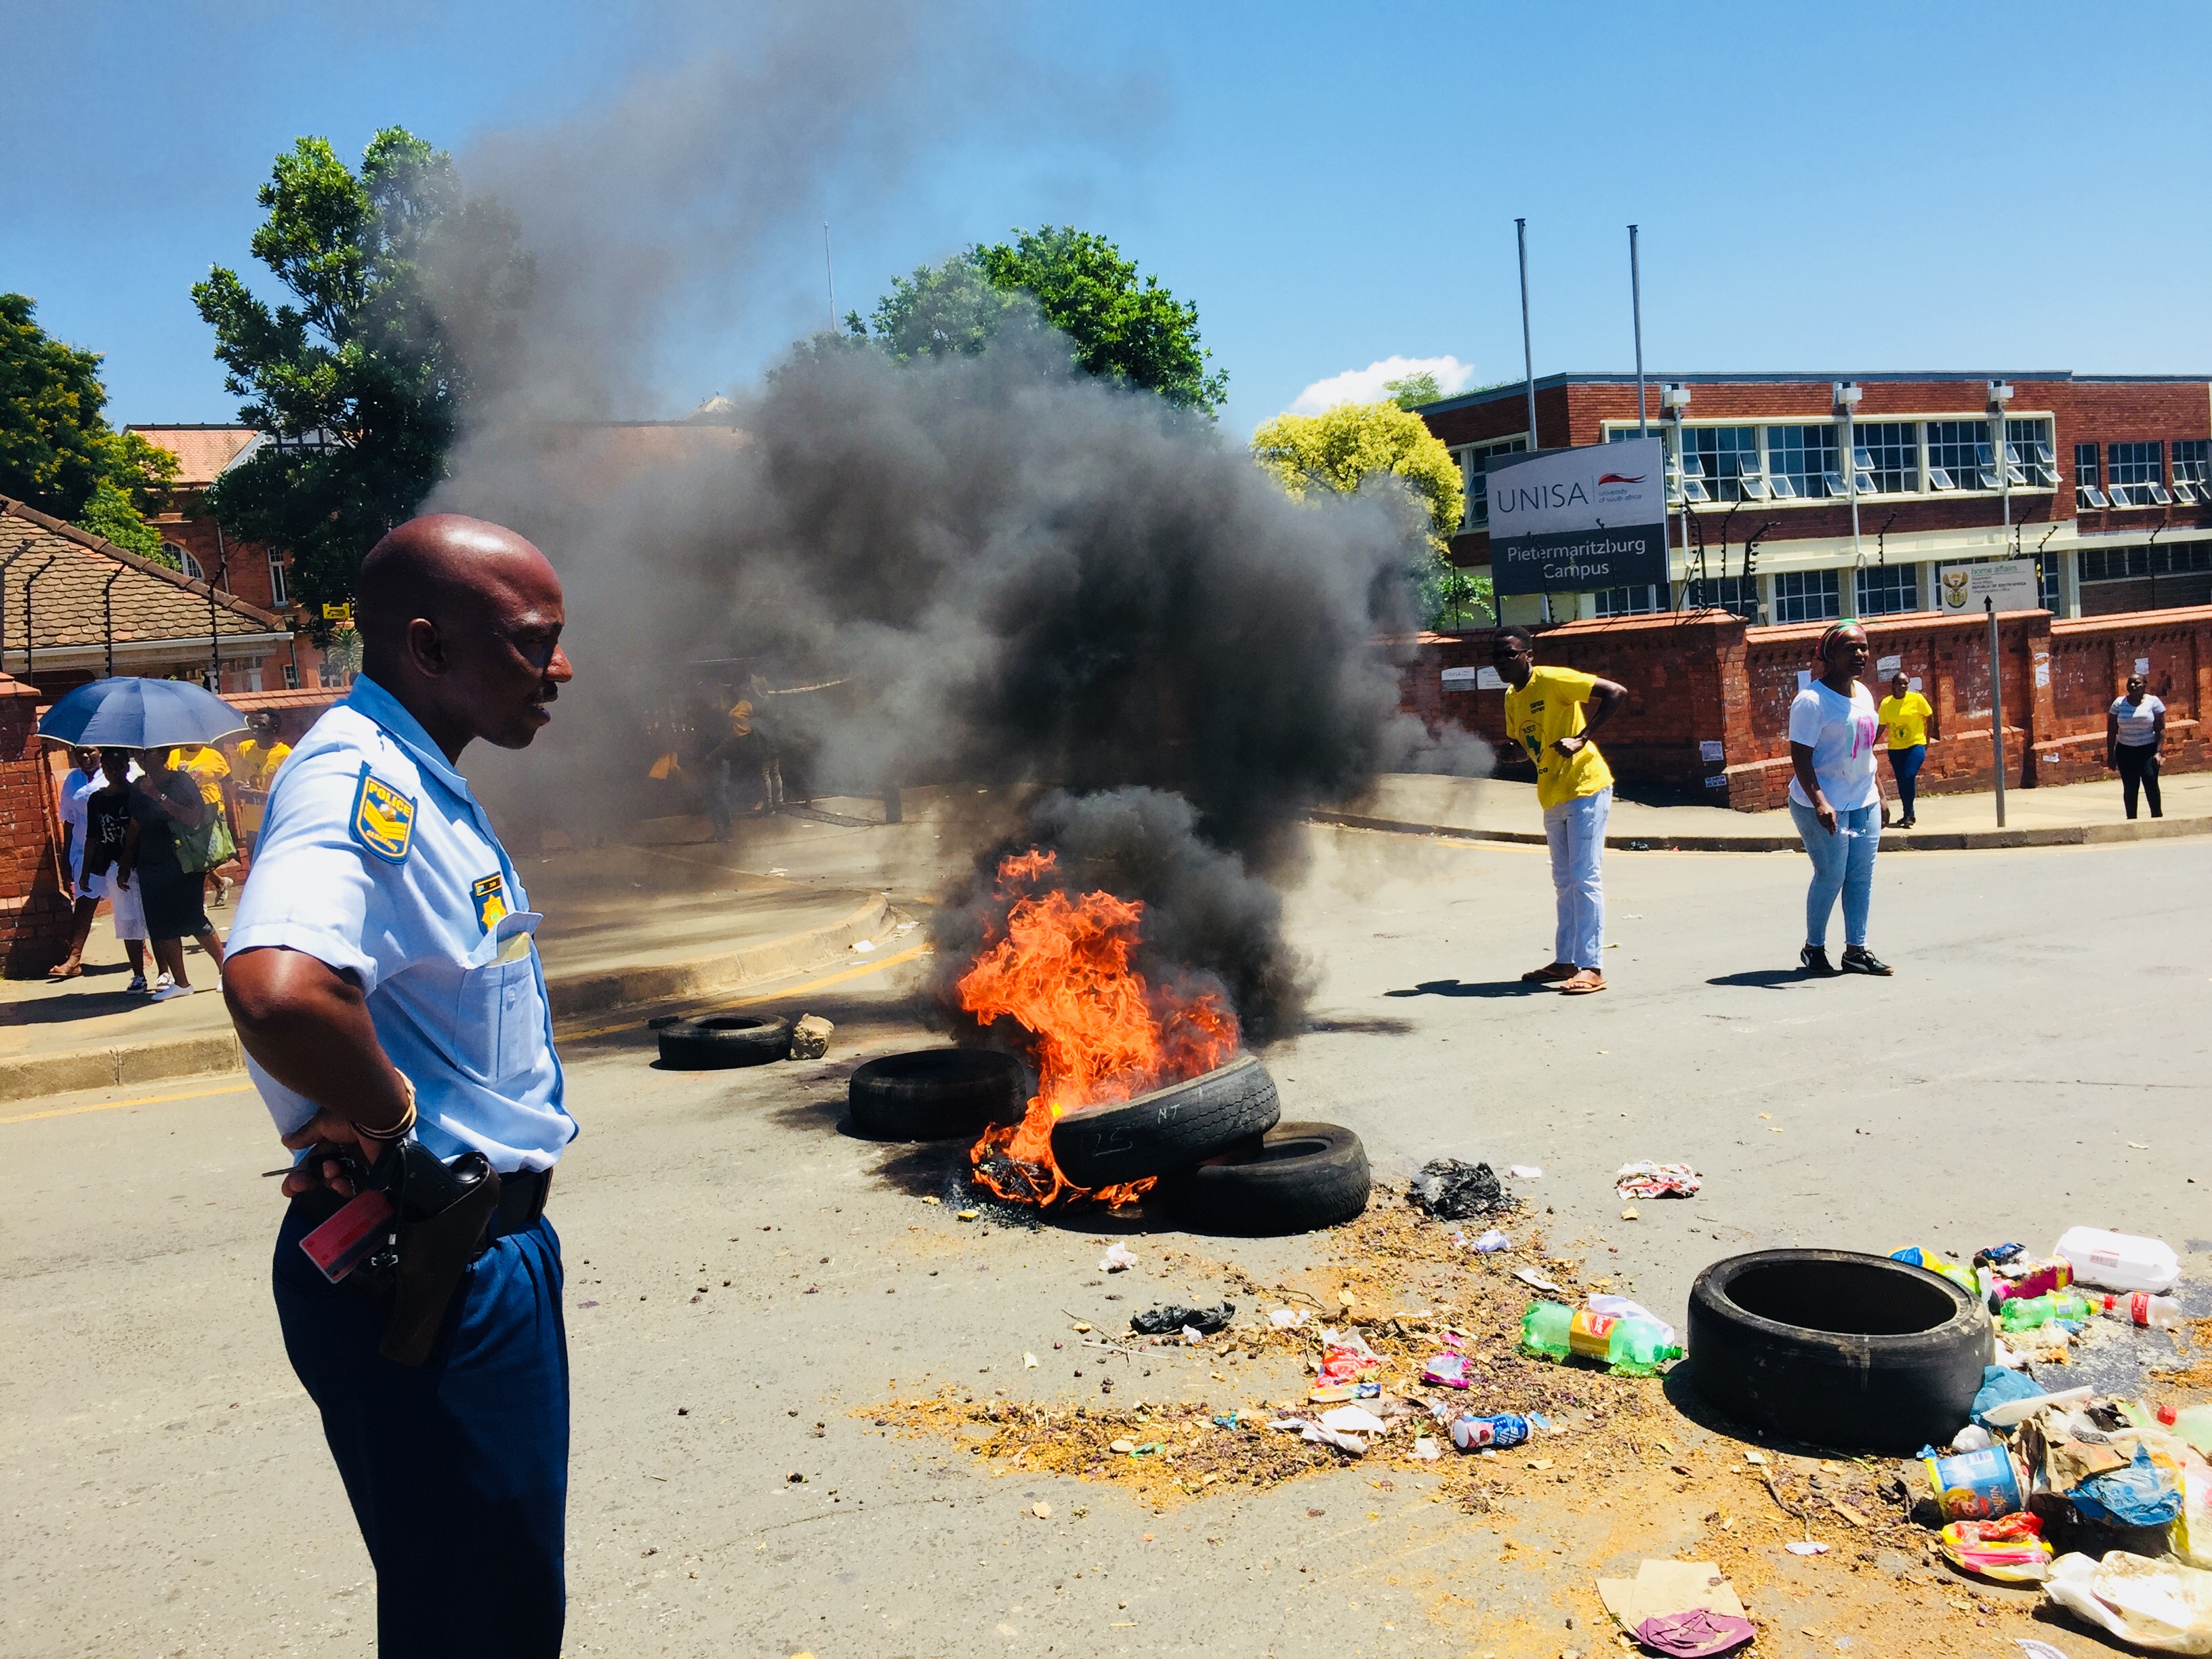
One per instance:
(1840,733)
(2138,720)
(75,787)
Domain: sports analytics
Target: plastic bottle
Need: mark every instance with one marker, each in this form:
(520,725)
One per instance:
(2119,1261)
(2036,1279)
(2028,1312)
(2141,1308)
(1632,1346)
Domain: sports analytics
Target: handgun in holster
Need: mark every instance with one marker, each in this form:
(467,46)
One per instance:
(408,1234)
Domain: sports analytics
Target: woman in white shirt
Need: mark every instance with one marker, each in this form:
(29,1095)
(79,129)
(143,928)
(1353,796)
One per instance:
(2135,743)
(1835,800)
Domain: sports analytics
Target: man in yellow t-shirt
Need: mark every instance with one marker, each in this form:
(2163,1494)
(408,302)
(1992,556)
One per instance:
(1904,715)
(260,757)
(1544,715)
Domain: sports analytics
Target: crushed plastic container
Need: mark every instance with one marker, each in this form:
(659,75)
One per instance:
(2119,1261)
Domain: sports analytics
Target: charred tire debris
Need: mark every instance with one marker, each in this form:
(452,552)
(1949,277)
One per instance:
(935,1094)
(1296,1178)
(1168,1129)
(1837,1348)
(720,1041)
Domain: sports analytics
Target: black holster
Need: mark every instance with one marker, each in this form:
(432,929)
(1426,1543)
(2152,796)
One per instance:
(439,1213)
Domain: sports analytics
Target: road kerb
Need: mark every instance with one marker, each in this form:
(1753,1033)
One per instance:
(1892,841)
(34,1076)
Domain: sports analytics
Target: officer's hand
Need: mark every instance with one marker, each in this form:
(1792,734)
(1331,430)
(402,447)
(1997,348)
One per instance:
(325,1128)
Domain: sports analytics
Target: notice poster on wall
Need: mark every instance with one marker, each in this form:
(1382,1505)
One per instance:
(1887,667)
(2010,582)
(1710,749)
(1575,520)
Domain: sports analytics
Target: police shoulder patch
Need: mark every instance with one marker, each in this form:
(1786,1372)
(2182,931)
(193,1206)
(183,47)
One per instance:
(383,818)
(490,895)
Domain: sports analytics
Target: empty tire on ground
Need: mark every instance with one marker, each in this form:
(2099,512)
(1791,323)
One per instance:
(723,1040)
(1294,1179)
(1837,1348)
(1169,1128)
(932,1094)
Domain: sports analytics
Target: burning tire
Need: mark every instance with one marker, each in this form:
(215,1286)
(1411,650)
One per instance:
(933,1094)
(723,1040)
(1295,1179)
(1168,1129)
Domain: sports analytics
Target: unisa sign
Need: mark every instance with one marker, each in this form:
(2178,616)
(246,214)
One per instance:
(1572,520)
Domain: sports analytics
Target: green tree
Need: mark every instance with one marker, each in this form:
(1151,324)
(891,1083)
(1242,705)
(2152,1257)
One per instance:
(1341,448)
(361,382)
(1414,390)
(57,451)
(1122,326)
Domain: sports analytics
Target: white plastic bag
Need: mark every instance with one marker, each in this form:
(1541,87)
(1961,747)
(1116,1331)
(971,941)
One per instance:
(2157,1605)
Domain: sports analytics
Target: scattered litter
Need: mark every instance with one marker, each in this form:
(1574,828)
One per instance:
(1997,1255)
(1629,1214)
(932,1200)
(1527,1172)
(1286,1319)
(1029,1362)
(1973,1437)
(1333,1391)
(1619,1307)
(864,945)
(1042,1511)
(1530,1276)
(2035,1649)
(1194,1322)
(809,1037)
(1807,1547)
(1119,1258)
(1649,1180)
(1630,1346)
(1447,1369)
(1352,1420)
(2140,1494)
(2119,1261)
(1980,1485)
(1451,1189)
(2010,1550)
(2159,1605)
(1336,1437)
(1490,1243)
(1426,1448)
(1124,1447)
(1477,1433)
(1914,1256)
(1227,1421)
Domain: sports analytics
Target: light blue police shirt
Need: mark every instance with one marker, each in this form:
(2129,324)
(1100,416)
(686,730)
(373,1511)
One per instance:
(376,859)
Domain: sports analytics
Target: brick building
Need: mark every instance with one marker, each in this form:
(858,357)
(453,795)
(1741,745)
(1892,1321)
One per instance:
(1800,498)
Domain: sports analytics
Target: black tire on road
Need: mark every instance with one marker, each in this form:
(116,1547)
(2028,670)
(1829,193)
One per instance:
(1295,1179)
(1168,1129)
(723,1040)
(933,1094)
(1839,1349)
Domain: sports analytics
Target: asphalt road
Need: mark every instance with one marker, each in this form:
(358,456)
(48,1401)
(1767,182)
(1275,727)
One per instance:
(2040,1059)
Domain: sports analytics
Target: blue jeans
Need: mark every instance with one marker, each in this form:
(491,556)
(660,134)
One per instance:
(1575,831)
(458,1468)
(1842,863)
(1905,766)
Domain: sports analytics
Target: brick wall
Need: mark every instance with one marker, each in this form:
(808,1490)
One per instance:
(1695,680)
(34,913)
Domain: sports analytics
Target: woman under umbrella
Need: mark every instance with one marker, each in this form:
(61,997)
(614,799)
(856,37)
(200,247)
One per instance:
(162,803)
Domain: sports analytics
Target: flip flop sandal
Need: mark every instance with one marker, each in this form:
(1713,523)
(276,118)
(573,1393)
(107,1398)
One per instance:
(1576,986)
(1550,973)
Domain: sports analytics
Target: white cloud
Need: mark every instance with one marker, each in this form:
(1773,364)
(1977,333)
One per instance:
(1364,385)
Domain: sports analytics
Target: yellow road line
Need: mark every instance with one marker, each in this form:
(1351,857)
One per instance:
(118,1105)
(860,972)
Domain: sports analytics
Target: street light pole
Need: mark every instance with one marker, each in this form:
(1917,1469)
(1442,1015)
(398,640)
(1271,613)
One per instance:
(1528,349)
(1996,705)
(1636,303)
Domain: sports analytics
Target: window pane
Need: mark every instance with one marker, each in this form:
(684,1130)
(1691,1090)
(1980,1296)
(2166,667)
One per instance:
(1473,459)
(1738,595)
(1894,448)
(1726,452)
(1956,447)
(1805,455)
(1885,590)
(2134,463)
(2085,463)
(275,580)
(1807,595)
(1626,601)
(2192,460)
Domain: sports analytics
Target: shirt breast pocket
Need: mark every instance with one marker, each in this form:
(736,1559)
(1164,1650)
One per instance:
(499,1020)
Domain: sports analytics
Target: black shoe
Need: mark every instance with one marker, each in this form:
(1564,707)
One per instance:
(1858,960)
(1814,960)
(1908,823)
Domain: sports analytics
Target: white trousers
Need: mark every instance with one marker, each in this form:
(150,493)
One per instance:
(1575,831)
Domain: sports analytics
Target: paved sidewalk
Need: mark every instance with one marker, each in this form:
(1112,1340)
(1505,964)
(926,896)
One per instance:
(625,925)
(1493,809)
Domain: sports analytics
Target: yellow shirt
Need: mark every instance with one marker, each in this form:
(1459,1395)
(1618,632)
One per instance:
(258,767)
(208,768)
(1905,720)
(1540,713)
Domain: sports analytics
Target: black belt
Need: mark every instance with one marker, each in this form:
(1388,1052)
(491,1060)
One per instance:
(521,1201)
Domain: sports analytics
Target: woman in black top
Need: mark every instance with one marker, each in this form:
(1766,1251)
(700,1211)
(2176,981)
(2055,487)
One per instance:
(164,804)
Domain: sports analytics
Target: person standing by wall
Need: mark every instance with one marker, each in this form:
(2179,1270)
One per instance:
(386,987)
(77,785)
(1835,800)
(1903,716)
(1574,786)
(206,766)
(2135,743)
(164,804)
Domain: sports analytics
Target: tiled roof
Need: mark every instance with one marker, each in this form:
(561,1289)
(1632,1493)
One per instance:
(67,568)
(202,451)
(247,702)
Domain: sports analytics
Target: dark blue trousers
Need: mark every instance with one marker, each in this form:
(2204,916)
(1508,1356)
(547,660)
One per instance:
(458,1469)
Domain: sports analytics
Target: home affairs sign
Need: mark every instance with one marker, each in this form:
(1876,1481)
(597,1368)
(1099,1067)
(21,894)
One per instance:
(1572,520)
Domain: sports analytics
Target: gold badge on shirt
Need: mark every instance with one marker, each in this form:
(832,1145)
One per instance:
(490,895)
(383,818)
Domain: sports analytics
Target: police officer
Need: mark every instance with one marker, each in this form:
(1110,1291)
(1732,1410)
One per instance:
(382,977)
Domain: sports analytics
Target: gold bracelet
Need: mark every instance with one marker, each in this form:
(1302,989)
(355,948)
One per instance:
(406,1120)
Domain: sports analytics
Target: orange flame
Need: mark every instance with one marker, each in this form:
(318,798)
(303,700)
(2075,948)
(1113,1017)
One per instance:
(1058,965)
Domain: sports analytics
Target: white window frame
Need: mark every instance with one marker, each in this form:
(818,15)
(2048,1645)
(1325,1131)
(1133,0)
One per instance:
(276,589)
(1965,489)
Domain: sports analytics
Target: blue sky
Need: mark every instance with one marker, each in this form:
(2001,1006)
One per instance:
(2009,187)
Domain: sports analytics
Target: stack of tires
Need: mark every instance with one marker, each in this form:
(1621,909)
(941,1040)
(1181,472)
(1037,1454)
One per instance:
(1224,1161)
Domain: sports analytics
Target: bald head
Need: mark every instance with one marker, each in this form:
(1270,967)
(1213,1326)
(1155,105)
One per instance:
(460,620)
